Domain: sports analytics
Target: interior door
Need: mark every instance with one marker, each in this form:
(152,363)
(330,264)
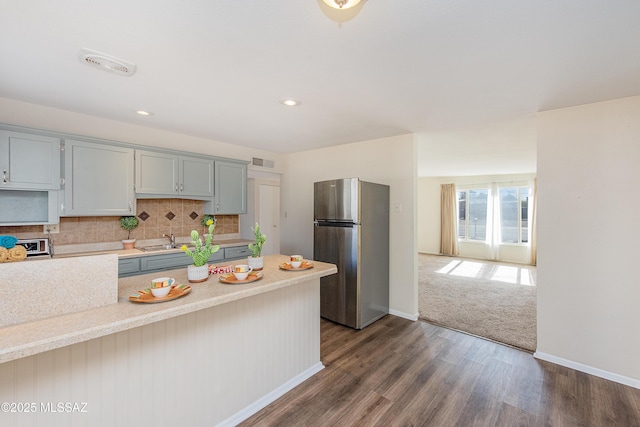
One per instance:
(269,217)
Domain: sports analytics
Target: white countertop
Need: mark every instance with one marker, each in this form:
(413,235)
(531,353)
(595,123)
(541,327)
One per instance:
(25,339)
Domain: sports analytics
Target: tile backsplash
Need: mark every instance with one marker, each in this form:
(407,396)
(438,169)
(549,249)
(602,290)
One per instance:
(157,217)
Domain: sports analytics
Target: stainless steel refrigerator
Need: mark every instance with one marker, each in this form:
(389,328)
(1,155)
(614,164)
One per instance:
(351,230)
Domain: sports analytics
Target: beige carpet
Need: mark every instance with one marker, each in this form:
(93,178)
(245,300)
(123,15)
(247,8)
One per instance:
(489,299)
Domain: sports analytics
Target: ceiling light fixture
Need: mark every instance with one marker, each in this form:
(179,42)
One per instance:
(106,62)
(290,102)
(341,4)
(143,113)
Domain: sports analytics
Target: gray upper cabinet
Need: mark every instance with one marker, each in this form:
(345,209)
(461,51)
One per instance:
(230,188)
(29,162)
(98,180)
(104,178)
(196,177)
(169,175)
(156,173)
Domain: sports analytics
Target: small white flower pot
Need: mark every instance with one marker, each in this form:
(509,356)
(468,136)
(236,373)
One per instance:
(257,263)
(197,274)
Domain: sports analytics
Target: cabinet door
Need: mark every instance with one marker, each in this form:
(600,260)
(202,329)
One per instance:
(196,177)
(156,173)
(230,188)
(29,162)
(164,262)
(217,256)
(128,267)
(98,180)
(236,252)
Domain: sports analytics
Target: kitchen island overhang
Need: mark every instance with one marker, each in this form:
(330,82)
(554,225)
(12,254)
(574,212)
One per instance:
(238,347)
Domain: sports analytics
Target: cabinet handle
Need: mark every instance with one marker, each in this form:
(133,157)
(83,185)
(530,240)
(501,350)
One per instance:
(176,190)
(4,176)
(217,207)
(130,206)
(181,188)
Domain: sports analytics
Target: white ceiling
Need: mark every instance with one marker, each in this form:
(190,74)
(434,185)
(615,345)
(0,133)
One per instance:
(217,68)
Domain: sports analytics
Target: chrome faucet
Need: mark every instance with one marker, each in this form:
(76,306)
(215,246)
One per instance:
(171,238)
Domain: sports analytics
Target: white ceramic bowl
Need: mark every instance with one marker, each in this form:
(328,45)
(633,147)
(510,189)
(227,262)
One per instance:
(161,292)
(296,261)
(241,276)
(157,288)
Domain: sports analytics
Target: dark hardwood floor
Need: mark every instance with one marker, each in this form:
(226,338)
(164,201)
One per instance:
(402,373)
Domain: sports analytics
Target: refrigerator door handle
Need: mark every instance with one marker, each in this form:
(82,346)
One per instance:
(323,223)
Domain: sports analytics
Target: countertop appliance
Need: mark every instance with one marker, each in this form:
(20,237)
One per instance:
(36,247)
(351,230)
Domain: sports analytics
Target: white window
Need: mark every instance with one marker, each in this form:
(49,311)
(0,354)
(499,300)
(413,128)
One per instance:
(496,215)
(472,214)
(514,202)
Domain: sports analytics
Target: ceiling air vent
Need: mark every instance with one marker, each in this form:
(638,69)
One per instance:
(262,162)
(106,62)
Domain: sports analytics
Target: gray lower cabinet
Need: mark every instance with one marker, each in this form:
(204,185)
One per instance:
(98,180)
(132,266)
(169,261)
(29,162)
(128,266)
(237,252)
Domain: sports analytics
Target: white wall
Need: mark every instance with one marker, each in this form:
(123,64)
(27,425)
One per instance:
(429,214)
(429,217)
(39,117)
(588,205)
(390,161)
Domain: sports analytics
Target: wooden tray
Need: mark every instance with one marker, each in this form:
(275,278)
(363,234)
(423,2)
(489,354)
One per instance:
(230,279)
(304,266)
(145,295)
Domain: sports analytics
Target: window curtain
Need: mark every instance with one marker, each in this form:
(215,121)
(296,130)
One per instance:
(448,219)
(493,222)
(533,228)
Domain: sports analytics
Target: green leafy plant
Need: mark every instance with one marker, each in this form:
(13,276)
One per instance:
(256,246)
(129,223)
(201,251)
(206,218)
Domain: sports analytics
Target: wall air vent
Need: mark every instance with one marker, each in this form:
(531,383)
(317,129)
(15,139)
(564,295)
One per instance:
(106,62)
(262,162)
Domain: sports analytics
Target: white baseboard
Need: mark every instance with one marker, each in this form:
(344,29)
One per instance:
(264,401)
(429,253)
(404,315)
(631,382)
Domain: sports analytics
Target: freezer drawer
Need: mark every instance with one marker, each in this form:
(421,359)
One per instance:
(339,292)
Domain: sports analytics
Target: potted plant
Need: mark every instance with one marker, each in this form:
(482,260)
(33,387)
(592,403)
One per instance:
(256,260)
(200,253)
(128,223)
(205,223)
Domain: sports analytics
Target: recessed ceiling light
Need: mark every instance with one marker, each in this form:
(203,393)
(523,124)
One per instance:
(290,102)
(143,113)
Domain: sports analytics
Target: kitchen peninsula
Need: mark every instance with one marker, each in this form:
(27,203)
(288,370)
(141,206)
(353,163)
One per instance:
(212,357)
